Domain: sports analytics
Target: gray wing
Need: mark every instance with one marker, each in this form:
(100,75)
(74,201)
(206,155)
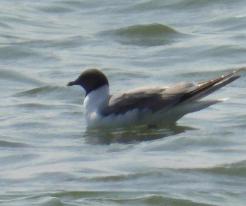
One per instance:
(155,99)
(152,99)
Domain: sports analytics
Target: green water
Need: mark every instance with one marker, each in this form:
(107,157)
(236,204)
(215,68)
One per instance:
(49,158)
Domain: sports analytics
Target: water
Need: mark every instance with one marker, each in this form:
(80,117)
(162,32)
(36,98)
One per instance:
(47,156)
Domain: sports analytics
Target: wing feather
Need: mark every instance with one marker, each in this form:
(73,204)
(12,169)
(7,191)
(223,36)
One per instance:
(152,99)
(155,99)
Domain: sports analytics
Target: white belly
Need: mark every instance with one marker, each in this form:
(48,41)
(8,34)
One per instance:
(95,119)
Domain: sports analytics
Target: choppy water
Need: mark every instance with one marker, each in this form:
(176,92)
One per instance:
(48,157)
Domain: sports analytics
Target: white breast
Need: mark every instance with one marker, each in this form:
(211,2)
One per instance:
(93,102)
(98,99)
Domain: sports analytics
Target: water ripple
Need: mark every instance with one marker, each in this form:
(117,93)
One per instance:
(53,92)
(16,76)
(237,169)
(144,35)
(5,143)
(66,42)
(12,52)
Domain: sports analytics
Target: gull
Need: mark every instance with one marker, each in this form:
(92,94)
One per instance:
(144,106)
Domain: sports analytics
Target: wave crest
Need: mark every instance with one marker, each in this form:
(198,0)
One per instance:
(144,35)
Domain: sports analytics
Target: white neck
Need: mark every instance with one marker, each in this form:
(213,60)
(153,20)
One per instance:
(96,100)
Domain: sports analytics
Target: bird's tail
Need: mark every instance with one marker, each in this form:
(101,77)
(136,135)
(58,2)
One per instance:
(207,87)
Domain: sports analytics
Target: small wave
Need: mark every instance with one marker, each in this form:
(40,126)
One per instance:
(125,198)
(56,176)
(193,4)
(144,35)
(134,198)
(67,42)
(119,177)
(4,25)
(18,158)
(229,23)
(51,201)
(84,5)
(35,105)
(13,52)
(151,5)
(4,143)
(17,76)
(39,91)
(55,9)
(53,92)
(30,124)
(224,51)
(234,169)
(155,199)
(79,4)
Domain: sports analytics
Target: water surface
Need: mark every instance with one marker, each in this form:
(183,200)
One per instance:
(47,155)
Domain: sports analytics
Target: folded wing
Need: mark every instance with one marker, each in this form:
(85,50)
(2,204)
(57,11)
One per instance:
(155,99)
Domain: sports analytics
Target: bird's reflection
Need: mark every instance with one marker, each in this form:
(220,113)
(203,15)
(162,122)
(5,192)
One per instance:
(134,134)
